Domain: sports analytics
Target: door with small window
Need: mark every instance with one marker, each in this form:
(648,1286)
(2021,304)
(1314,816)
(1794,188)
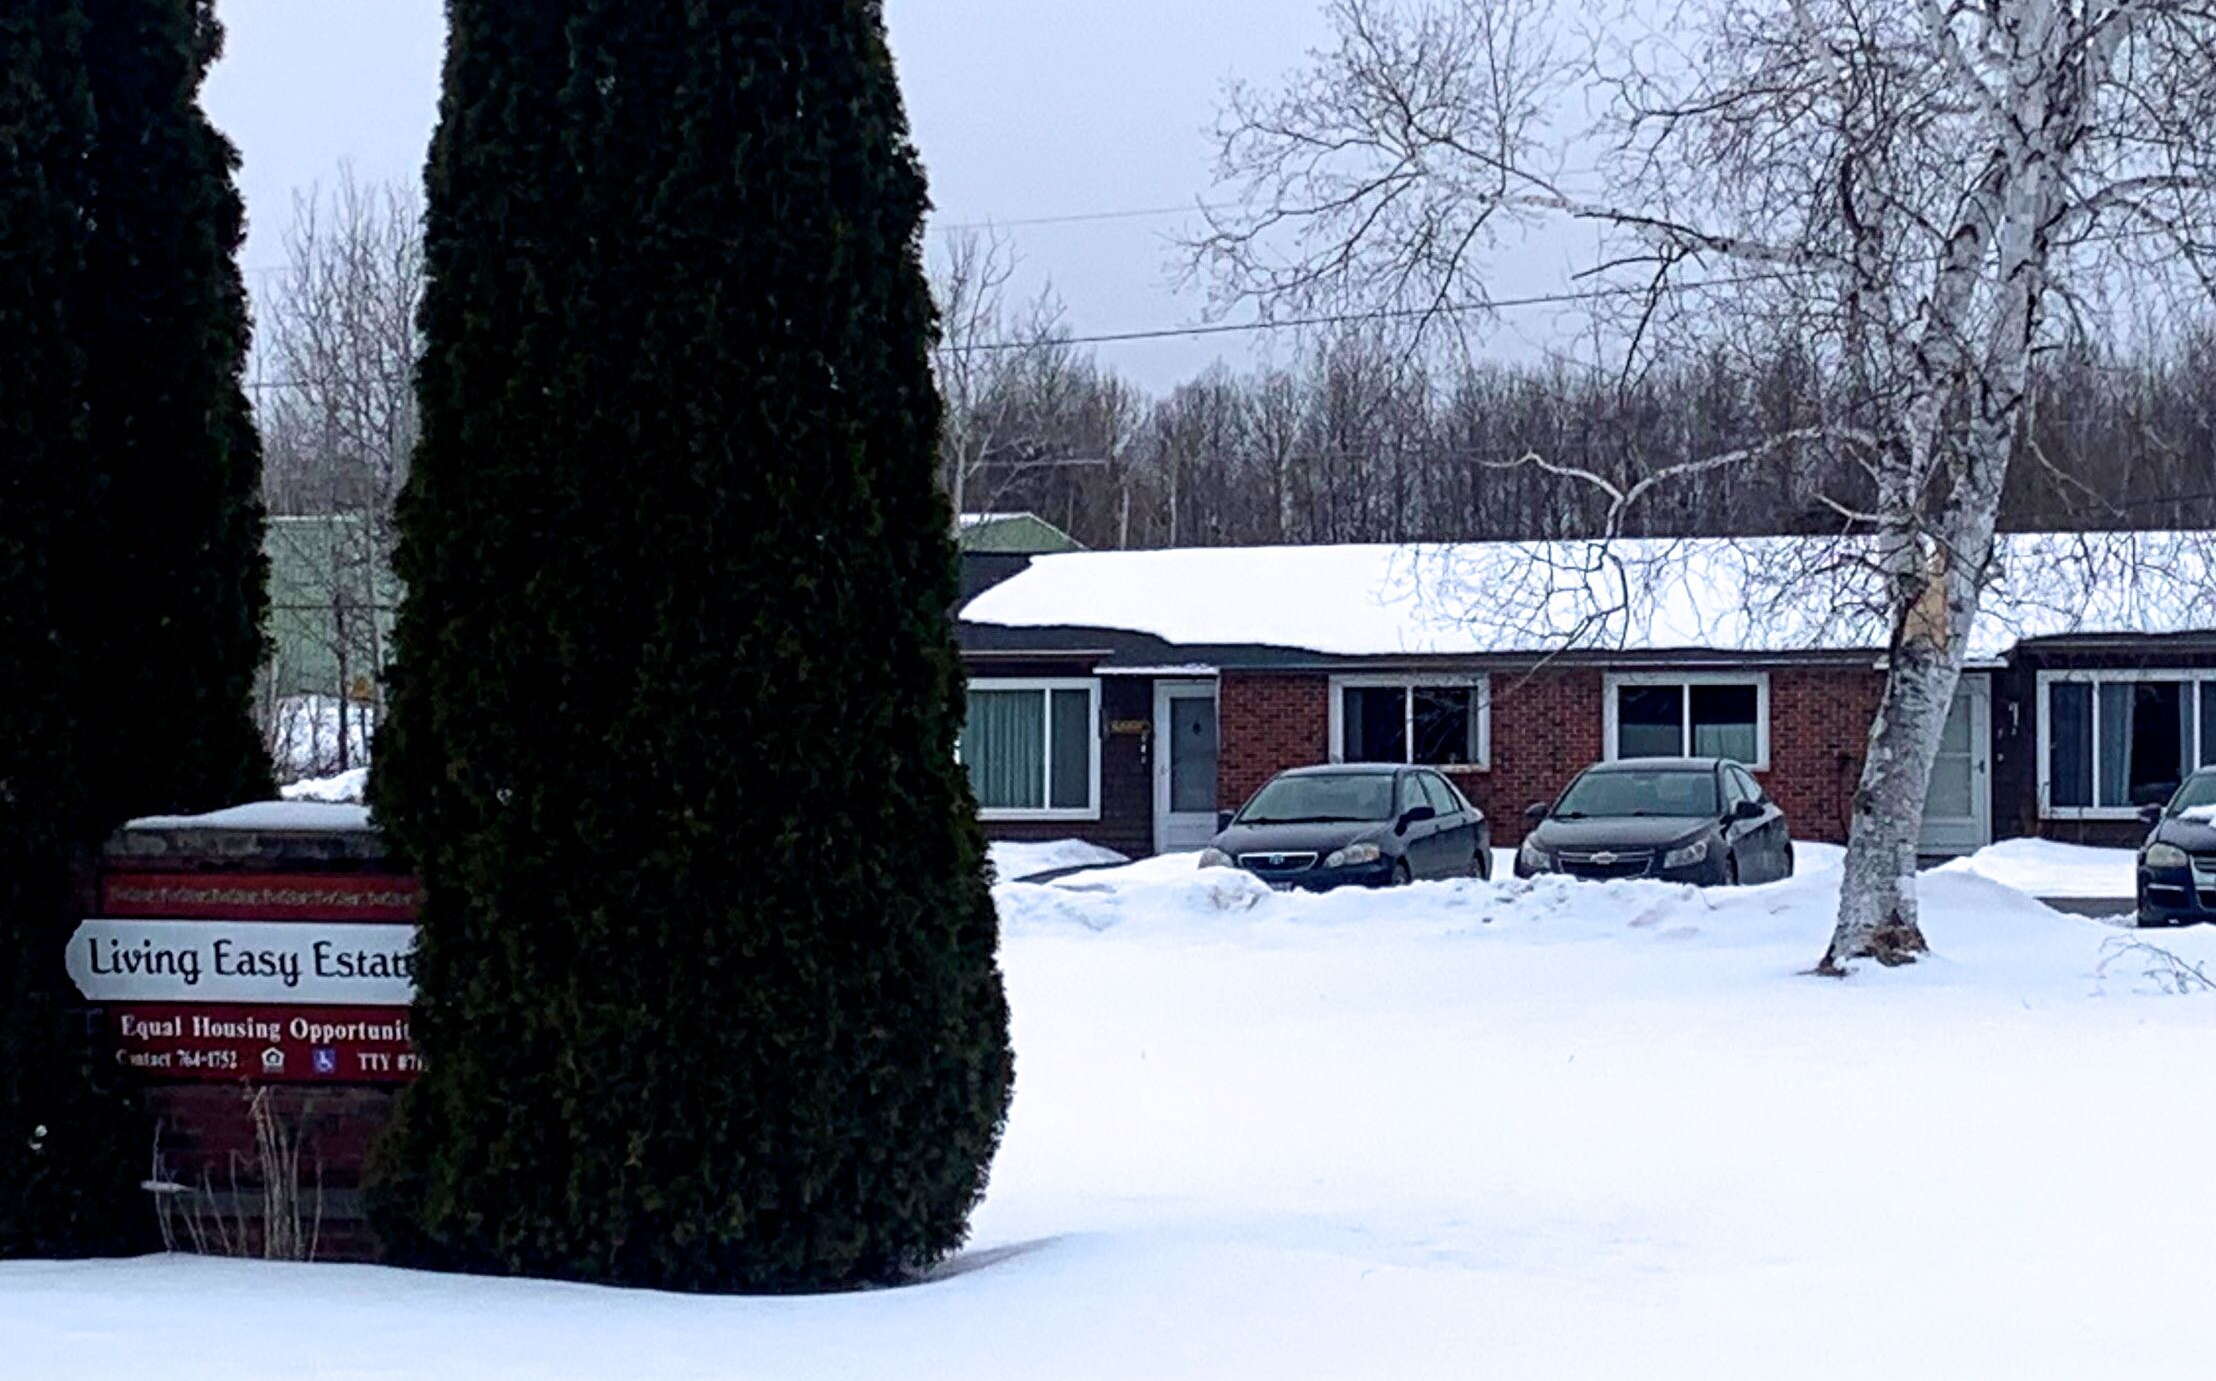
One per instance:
(1185,752)
(1958,809)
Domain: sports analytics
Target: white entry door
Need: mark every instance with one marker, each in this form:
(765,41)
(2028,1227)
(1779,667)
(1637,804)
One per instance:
(1184,765)
(1958,812)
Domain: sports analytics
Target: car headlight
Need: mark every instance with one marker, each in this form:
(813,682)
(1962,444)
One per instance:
(1215,858)
(2164,856)
(1534,858)
(1353,855)
(1687,855)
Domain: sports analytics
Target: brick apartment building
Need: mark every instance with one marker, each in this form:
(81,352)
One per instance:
(1127,698)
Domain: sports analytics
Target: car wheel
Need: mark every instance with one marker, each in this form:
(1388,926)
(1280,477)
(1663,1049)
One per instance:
(1401,875)
(1481,865)
(1731,870)
(1788,862)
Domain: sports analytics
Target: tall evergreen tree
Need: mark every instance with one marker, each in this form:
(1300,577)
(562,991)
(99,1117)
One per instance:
(177,598)
(707,983)
(65,1172)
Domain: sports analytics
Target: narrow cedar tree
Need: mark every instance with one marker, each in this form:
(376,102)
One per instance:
(707,982)
(176,600)
(69,1150)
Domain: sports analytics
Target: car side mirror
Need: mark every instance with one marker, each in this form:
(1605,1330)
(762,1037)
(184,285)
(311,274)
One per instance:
(2151,814)
(1414,815)
(1535,812)
(1223,820)
(1747,810)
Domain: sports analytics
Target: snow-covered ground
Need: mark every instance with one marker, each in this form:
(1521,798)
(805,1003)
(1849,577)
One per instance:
(2047,869)
(1501,1130)
(1013,860)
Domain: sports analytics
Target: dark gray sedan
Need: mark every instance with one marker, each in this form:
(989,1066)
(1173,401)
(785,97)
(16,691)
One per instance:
(1698,820)
(1361,825)
(2177,864)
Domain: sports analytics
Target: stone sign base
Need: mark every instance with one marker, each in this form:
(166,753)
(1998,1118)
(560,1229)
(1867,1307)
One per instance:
(221,962)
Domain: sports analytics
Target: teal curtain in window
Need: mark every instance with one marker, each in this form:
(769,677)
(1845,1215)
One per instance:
(1073,750)
(2116,699)
(2070,744)
(1004,747)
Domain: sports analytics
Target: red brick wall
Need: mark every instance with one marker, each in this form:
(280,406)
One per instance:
(1819,732)
(1268,721)
(1548,725)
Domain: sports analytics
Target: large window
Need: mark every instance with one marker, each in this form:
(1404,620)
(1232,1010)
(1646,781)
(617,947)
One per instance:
(1434,720)
(2113,741)
(1689,715)
(1032,749)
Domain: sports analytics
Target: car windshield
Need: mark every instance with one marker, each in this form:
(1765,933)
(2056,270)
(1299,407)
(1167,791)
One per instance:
(2199,790)
(1619,793)
(1304,800)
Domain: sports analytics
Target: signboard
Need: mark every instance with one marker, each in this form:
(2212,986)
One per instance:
(287,962)
(278,978)
(340,1045)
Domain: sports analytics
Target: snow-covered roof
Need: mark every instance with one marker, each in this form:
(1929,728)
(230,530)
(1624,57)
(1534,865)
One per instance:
(1740,595)
(1019,532)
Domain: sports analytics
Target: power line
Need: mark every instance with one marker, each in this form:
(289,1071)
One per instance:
(1384,314)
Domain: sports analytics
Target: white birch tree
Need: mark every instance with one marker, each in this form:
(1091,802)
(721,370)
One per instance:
(1930,192)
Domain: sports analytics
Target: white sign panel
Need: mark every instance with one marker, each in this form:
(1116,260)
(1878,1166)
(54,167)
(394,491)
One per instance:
(312,963)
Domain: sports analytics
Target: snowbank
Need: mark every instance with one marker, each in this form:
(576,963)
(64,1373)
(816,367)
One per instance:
(1012,860)
(288,817)
(347,788)
(2044,868)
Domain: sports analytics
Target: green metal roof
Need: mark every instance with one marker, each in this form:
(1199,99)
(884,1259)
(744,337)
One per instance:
(1025,533)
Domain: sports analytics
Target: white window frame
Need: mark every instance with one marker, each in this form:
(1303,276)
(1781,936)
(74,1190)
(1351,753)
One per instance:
(1048,685)
(1408,683)
(2191,678)
(1615,681)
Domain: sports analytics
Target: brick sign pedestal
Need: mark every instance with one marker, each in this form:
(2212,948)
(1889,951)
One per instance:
(227,957)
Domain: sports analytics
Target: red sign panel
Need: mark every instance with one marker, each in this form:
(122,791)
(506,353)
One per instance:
(293,1043)
(209,1041)
(261,896)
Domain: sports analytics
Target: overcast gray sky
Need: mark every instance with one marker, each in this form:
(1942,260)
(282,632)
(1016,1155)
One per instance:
(1023,109)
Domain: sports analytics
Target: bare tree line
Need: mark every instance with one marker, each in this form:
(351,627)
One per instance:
(1361,438)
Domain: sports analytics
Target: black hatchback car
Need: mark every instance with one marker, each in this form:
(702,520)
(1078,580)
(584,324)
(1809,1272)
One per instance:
(1368,825)
(2177,864)
(1698,820)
